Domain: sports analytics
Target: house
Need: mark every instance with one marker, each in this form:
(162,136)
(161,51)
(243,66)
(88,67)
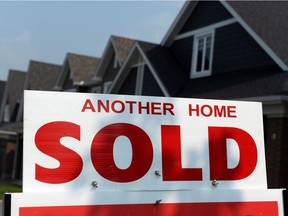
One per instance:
(40,76)
(76,71)
(113,57)
(222,50)
(11,130)
(233,50)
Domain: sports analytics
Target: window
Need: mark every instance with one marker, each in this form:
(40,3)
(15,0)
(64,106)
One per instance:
(202,55)
(116,62)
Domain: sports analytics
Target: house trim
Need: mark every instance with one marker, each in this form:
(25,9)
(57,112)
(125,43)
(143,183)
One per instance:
(253,34)
(206,28)
(179,22)
(162,87)
(108,53)
(118,81)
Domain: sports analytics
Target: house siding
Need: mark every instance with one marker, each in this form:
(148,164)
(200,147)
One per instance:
(150,86)
(205,13)
(235,50)
(129,85)
(182,50)
(68,83)
(111,72)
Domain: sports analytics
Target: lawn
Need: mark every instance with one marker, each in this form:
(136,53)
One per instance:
(5,187)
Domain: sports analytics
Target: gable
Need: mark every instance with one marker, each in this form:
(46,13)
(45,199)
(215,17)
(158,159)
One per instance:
(205,13)
(265,22)
(138,73)
(147,86)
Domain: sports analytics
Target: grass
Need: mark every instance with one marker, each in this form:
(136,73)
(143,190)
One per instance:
(6,187)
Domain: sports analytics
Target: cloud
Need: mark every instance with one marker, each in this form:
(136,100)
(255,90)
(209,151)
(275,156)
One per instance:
(15,53)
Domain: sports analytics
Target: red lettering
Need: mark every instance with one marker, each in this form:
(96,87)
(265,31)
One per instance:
(219,111)
(156,108)
(232,111)
(121,106)
(218,153)
(102,152)
(168,107)
(142,107)
(209,110)
(131,103)
(171,157)
(47,140)
(88,105)
(191,110)
(101,105)
(216,111)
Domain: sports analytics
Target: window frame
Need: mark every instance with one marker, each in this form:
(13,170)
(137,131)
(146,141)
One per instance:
(202,72)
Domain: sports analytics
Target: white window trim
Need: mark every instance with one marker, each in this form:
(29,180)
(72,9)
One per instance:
(139,82)
(116,62)
(193,73)
(205,29)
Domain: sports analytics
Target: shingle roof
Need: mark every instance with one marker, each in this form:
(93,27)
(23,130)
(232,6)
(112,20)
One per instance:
(122,46)
(118,46)
(14,88)
(268,19)
(265,21)
(82,67)
(42,76)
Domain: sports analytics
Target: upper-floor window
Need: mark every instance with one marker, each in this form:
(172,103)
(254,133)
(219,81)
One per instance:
(116,62)
(202,55)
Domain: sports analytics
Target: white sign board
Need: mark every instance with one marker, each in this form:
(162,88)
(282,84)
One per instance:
(76,141)
(159,203)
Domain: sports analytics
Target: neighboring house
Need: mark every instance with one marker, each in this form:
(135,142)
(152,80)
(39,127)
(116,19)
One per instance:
(222,50)
(147,67)
(76,71)
(40,76)
(11,130)
(113,57)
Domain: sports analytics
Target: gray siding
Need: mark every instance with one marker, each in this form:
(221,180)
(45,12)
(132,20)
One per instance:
(205,13)
(129,85)
(150,86)
(182,50)
(235,50)
(111,72)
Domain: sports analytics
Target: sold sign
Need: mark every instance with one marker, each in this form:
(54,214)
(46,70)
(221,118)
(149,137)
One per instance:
(76,141)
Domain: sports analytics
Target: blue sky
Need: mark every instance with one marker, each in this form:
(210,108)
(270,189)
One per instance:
(47,30)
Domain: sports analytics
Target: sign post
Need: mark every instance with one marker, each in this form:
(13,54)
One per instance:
(132,151)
